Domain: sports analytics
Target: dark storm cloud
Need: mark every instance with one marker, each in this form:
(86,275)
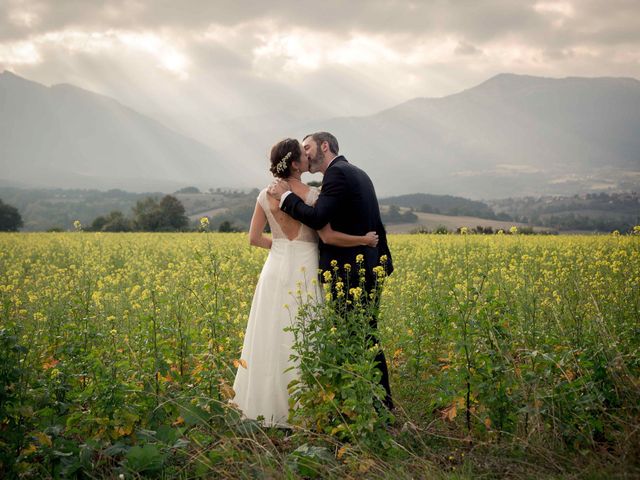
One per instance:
(478,21)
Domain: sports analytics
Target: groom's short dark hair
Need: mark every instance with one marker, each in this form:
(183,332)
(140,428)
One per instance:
(320,137)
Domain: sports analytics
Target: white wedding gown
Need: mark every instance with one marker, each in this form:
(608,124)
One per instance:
(292,265)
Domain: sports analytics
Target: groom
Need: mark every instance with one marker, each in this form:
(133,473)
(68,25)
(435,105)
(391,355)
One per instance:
(348,202)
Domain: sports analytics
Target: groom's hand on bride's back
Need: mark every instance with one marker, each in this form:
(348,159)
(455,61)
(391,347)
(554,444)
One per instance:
(277,188)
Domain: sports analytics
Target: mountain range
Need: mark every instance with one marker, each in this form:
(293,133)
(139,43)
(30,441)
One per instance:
(64,136)
(512,135)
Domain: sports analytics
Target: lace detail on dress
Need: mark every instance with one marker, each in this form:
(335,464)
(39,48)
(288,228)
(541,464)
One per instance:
(282,225)
(307,234)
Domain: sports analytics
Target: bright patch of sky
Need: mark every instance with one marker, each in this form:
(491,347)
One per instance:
(203,61)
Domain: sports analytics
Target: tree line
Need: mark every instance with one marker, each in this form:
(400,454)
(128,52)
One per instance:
(148,215)
(10,218)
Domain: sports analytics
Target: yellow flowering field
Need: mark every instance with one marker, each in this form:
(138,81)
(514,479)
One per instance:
(514,336)
(118,351)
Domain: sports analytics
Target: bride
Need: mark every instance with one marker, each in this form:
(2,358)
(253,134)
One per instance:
(261,380)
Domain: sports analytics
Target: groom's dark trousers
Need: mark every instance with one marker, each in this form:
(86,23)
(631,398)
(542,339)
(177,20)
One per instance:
(348,201)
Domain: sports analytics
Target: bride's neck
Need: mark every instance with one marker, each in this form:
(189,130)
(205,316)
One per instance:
(294,177)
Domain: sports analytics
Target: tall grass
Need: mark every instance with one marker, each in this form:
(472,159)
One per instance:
(507,354)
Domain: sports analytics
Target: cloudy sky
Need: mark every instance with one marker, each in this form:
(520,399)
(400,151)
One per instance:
(194,62)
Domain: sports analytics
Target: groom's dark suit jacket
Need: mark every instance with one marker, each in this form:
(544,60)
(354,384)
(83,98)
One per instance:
(348,201)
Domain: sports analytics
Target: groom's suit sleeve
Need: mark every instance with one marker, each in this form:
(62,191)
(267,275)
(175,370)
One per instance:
(333,190)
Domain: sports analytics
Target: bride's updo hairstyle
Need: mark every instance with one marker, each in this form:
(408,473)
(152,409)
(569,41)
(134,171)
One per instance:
(282,154)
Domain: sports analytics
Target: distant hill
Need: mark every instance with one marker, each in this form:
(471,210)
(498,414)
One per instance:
(510,136)
(590,212)
(42,209)
(64,136)
(600,212)
(432,222)
(441,204)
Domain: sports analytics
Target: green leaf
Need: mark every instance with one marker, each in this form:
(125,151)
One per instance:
(144,459)
(167,435)
(115,449)
(192,414)
(308,460)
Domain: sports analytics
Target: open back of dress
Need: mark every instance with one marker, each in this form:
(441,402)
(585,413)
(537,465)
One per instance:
(282,225)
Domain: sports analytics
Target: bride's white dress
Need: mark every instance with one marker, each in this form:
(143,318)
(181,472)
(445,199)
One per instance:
(292,265)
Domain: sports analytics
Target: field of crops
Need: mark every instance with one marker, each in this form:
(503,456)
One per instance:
(510,356)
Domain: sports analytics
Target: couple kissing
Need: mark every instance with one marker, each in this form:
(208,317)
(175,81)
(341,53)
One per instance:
(312,230)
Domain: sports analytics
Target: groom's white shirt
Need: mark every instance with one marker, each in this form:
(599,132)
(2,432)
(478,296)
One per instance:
(284,195)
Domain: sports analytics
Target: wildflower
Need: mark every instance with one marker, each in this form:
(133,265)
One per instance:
(334,263)
(355,292)
(347,266)
(359,258)
(615,233)
(379,271)
(636,230)
(383,259)
(464,230)
(513,230)
(113,331)
(500,232)
(326,275)
(204,223)
(77,225)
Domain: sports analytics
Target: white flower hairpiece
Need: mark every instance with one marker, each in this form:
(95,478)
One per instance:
(282,164)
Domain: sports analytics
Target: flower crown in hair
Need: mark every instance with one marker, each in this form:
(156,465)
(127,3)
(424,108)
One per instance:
(282,164)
